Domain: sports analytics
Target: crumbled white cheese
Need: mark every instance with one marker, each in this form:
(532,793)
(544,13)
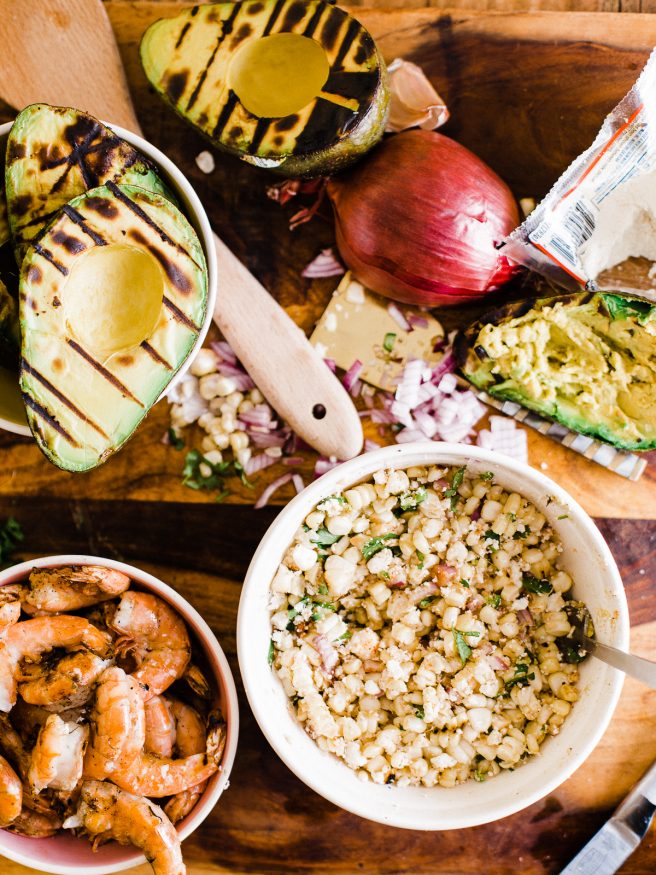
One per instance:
(205,162)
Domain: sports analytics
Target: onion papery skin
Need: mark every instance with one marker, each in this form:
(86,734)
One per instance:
(418,221)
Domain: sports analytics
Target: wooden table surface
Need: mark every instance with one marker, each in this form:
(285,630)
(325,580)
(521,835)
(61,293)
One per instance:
(527,91)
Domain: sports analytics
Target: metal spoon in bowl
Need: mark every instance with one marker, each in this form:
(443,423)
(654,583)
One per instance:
(581,641)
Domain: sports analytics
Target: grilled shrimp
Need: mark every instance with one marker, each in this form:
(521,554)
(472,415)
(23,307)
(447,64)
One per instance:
(160,727)
(19,756)
(190,739)
(68,684)
(10,605)
(72,587)
(36,824)
(11,794)
(156,635)
(105,810)
(197,681)
(149,775)
(118,725)
(29,639)
(58,755)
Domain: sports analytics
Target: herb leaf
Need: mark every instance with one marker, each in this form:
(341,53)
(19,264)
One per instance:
(486,475)
(456,483)
(494,600)
(374,545)
(521,536)
(532,584)
(388,342)
(419,712)
(412,500)
(175,440)
(272,652)
(11,534)
(194,478)
(324,538)
(464,650)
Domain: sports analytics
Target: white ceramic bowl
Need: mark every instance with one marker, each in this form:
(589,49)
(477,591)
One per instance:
(12,416)
(597,582)
(68,855)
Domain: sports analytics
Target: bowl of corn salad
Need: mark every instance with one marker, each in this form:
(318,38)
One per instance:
(402,635)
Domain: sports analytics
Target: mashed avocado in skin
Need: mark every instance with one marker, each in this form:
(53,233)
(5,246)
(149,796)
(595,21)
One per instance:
(585,360)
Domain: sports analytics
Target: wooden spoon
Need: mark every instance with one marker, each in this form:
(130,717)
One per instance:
(63,52)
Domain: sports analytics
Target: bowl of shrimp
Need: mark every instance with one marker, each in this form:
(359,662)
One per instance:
(118,717)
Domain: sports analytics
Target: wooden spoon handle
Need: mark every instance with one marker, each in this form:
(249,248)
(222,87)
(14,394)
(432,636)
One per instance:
(290,372)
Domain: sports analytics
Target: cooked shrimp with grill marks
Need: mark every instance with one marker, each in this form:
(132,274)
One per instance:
(189,740)
(68,684)
(11,794)
(58,755)
(156,636)
(30,639)
(71,588)
(160,727)
(87,724)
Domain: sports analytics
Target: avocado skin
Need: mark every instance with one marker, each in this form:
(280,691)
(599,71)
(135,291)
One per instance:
(474,362)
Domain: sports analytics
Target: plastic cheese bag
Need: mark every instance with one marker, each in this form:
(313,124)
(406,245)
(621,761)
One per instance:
(602,210)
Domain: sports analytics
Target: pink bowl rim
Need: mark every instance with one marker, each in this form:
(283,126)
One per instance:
(225,681)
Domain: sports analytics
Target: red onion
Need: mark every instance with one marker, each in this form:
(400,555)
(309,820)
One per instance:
(418,221)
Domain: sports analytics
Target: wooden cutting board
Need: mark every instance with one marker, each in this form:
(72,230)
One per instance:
(514,83)
(508,80)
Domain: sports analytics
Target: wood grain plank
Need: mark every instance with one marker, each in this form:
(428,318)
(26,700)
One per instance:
(269,823)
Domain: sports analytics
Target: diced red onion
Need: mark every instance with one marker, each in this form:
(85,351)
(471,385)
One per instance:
(385,417)
(299,484)
(292,460)
(264,498)
(259,416)
(525,617)
(223,349)
(270,439)
(448,383)
(474,602)
(396,314)
(325,264)
(351,376)
(423,591)
(330,364)
(498,662)
(416,321)
(410,435)
(446,365)
(407,391)
(328,654)
(258,463)
(446,574)
(323,465)
(370,445)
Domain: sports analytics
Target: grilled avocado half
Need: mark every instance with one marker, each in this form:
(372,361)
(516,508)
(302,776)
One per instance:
(298,86)
(56,153)
(586,360)
(112,298)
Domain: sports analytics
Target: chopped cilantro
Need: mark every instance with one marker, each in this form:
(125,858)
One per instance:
(194,478)
(464,582)
(521,677)
(564,516)
(512,517)
(338,498)
(323,589)
(464,650)
(374,545)
(175,440)
(11,534)
(272,652)
(419,712)
(533,584)
(421,556)
(324,538)
(327,606)
(479,776)
(384,575)
(456,483)
(388,342)
(345,636)
(494,600)
(492,535)
(520,536)
(292,613)
(487,475)
(424,603)
(411,500)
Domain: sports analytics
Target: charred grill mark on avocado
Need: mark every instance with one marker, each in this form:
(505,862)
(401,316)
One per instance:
(47,254)
(141,214)
(179,316)
(80,221)
(311,26)
(226,112)
(226,30)
(155,355)
(171,269)
(50,419)
(27,368)
(122,388)
(71,244)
